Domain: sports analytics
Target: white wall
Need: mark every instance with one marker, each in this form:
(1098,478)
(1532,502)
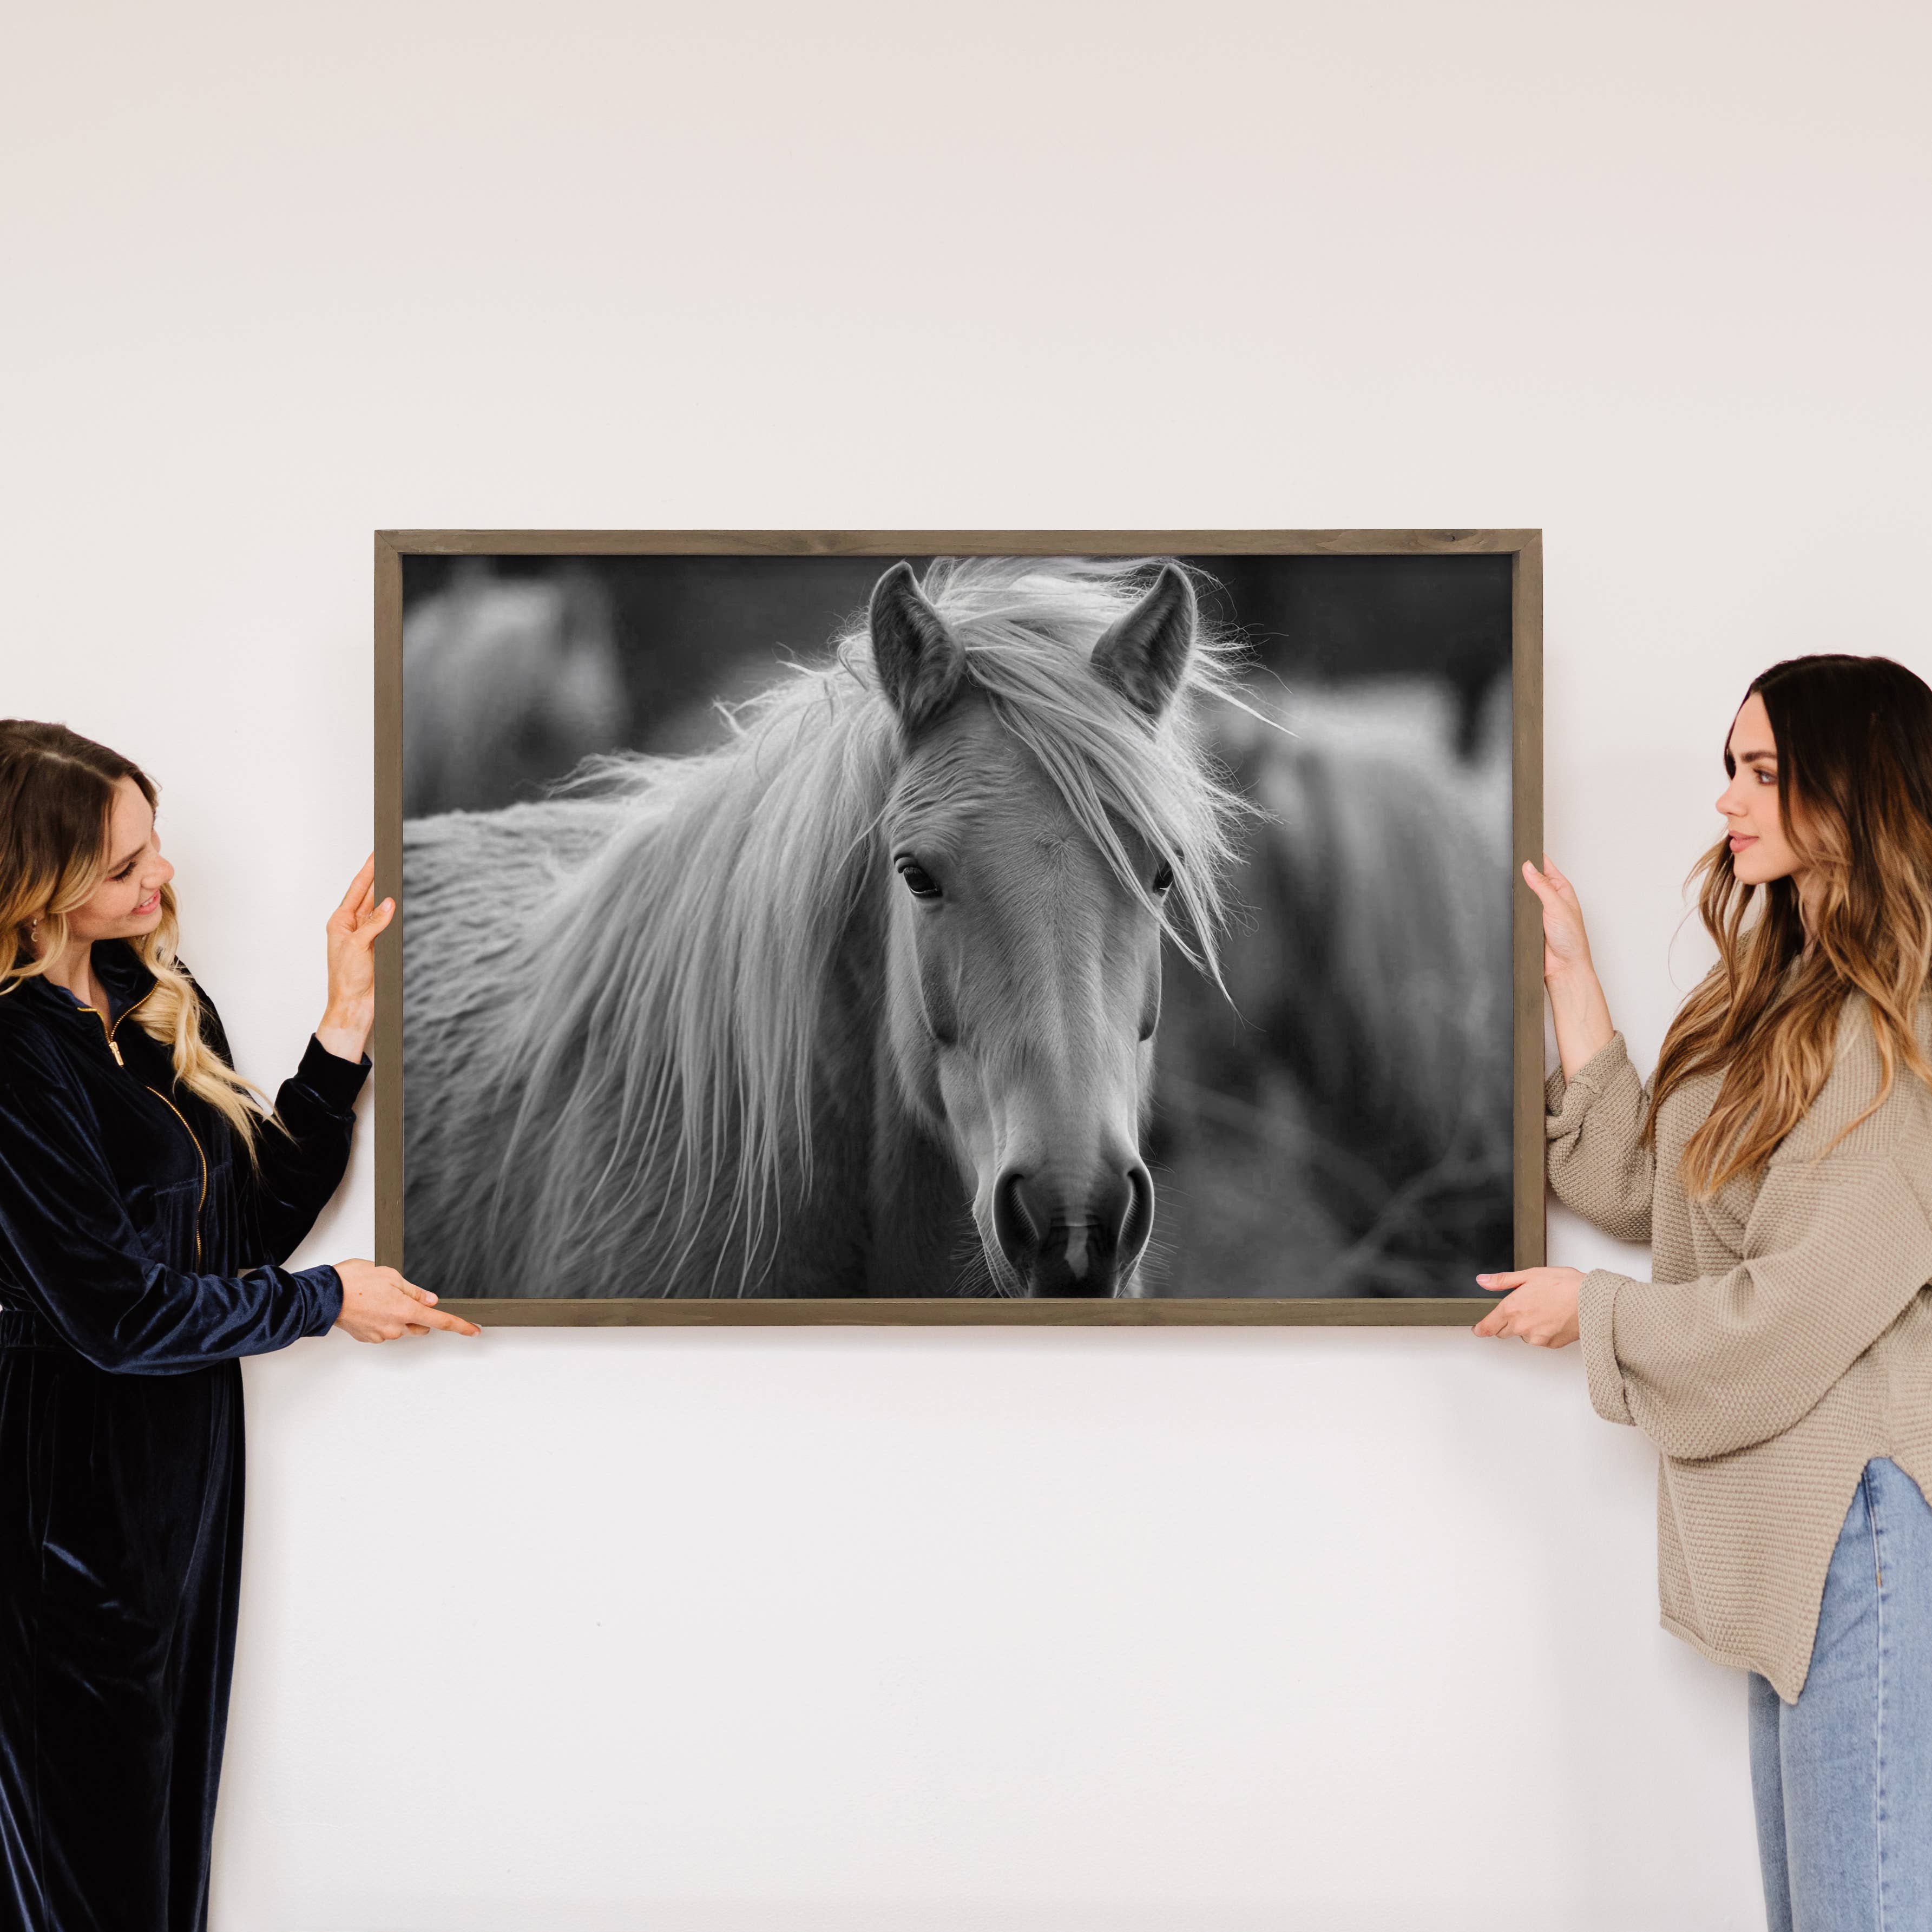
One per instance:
(893,1632)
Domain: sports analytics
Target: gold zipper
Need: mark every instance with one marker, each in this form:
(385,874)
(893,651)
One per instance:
(200,1152)
(113,1048)
(110,1031)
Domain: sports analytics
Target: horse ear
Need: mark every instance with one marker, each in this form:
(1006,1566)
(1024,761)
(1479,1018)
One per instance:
(919,659)
(1143,655)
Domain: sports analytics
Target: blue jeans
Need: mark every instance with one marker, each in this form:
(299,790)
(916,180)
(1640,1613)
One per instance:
(1842,1779)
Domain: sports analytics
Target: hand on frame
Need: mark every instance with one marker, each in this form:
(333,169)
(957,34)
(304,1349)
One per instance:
(1566,945)
(1539,1306)
(352,930)
(378,1305)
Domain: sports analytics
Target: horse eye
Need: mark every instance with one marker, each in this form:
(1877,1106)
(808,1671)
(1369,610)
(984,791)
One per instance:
(1163,880)
(920,882)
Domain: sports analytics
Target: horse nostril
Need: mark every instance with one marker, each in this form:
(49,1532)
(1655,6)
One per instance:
(1020,1224)
(1109,1208)
(1136,1223)
(1122,1210)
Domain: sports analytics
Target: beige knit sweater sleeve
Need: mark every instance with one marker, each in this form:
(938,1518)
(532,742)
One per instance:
(1835,1246)
(1598,1165)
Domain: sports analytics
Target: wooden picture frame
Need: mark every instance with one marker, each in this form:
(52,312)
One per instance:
(1524,549)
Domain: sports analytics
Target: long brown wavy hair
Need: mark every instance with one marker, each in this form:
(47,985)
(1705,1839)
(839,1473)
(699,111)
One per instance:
(56,802)
(1854,742)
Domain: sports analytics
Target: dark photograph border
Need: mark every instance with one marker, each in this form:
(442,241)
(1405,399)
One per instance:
(1523,548)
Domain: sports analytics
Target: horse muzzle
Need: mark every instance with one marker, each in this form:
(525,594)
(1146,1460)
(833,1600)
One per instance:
(1084,1241)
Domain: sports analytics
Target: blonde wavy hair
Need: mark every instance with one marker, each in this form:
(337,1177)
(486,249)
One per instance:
(1854,742)
(56,803)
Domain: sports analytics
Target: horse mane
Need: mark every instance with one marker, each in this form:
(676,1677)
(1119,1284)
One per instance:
(662,1056)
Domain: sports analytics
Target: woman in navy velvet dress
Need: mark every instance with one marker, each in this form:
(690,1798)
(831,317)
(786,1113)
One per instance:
(148,1201)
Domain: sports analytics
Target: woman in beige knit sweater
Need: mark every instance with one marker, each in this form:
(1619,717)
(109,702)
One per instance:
(1780,1163)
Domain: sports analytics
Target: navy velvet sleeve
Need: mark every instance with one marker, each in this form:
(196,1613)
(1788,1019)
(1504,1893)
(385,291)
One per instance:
(75,1257)
(299,1166)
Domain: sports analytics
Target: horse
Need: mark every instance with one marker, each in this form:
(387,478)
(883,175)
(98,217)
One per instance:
(861,1002)
(1342,1096)
(505,680)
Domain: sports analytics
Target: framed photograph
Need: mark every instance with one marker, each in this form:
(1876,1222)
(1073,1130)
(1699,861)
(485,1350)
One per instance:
(944,926)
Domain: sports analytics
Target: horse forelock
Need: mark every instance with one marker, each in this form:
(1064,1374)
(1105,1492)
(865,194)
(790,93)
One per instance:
(661,1068)
(1027,627)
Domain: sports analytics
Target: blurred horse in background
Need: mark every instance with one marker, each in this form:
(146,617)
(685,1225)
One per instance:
(861,1001)
(506,683)
(1348,1101)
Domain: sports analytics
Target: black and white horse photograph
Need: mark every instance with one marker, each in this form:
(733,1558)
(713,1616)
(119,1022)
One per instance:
(987,926)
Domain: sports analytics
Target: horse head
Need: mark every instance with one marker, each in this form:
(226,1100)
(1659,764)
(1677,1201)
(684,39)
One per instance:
(1022,940)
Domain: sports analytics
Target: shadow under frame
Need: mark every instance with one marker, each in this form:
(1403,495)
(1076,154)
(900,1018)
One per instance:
(1524,547)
